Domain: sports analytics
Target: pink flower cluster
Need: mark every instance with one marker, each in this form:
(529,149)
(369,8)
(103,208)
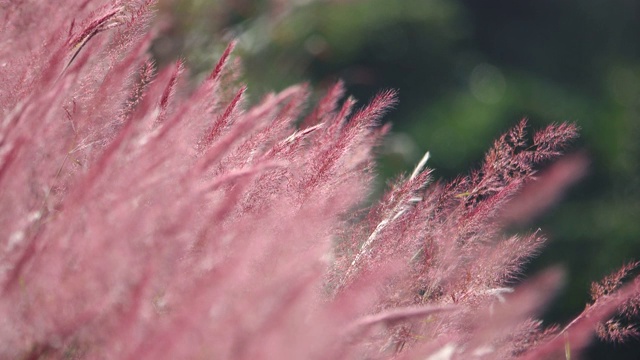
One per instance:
(142,220)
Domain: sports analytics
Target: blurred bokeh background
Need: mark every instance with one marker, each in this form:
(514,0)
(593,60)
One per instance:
(466,70)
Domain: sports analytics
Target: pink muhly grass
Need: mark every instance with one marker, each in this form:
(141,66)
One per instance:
(141,220)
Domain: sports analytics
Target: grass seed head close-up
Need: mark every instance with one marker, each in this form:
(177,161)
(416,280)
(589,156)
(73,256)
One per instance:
(143,217)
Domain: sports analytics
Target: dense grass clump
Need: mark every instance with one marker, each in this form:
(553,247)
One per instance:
(142,220)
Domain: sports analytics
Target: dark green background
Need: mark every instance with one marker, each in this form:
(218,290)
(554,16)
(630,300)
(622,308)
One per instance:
(466,70)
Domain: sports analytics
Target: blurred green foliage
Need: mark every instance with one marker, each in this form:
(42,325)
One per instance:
(466,71)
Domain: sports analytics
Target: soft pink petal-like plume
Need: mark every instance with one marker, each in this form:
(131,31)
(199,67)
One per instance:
(139,220)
